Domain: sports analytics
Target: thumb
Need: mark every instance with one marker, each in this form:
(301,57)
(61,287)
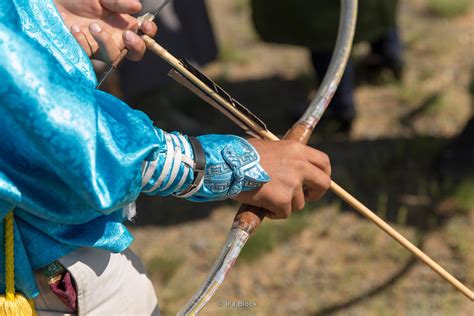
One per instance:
(122,6)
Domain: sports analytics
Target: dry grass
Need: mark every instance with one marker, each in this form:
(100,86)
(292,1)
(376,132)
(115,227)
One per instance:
(449,8)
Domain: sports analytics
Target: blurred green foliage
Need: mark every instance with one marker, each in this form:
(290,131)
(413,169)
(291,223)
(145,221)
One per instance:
(164,266)
(464,195)
(270,234)
(449,8)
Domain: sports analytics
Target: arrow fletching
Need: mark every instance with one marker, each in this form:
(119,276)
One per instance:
(218,98)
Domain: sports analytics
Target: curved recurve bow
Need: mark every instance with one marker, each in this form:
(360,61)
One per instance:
(248,217)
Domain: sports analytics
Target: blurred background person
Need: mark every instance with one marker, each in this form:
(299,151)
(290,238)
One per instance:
(314,24)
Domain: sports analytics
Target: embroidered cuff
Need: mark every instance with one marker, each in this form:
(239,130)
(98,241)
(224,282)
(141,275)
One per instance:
(232,166)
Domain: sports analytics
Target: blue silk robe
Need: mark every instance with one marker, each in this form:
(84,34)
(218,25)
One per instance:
(71,157)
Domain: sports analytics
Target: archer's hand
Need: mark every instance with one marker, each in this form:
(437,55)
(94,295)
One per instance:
(298,173)
(104,27)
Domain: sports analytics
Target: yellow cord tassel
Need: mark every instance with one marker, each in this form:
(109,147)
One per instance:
(12,304)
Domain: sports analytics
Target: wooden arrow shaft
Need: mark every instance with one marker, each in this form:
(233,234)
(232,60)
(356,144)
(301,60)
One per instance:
(248,218)
(362,209)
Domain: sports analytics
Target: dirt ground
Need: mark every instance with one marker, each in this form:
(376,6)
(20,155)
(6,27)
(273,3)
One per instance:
(329,260)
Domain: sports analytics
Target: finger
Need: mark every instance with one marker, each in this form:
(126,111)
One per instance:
(298,202)
(317,182)
(319,159)
(122,6)
(149,28)
(279,210)
(94,47)
(314,195)
(108,49)
(272,215)
(135,45)
(81,39)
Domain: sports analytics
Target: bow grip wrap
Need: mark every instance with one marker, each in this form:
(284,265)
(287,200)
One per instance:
(248,218)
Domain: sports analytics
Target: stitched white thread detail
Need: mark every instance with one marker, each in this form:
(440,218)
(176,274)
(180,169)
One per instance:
(187,156)
(149,168)
(176,162)
(167,165)
(187,159)
(149,171)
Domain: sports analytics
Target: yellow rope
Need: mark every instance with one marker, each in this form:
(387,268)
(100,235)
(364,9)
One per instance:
(9,257)
(32,305)
(12,304)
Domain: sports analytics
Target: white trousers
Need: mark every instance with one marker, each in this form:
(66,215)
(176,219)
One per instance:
(107,284)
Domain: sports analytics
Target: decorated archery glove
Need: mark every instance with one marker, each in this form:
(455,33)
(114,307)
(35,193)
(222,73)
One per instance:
(208,168)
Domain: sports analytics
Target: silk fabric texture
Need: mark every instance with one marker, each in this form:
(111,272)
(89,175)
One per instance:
(71,157)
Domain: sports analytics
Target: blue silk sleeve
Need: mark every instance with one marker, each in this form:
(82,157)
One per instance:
(93,145)
(57,133)
(72,157)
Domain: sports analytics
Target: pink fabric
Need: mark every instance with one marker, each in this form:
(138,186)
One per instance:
(65,290)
